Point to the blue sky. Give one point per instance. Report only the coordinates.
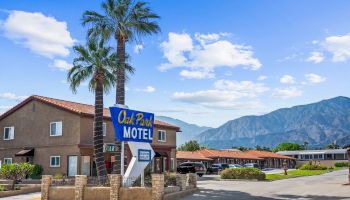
(211, 62)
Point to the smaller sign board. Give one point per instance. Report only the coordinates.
(109, 148)
(144, 155)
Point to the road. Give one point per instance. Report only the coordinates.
(330, 186)
(31, 196)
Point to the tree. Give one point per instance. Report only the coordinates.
(95, 63)
(333, 146)
(15, 172)
(288, 147)
(241, 148)
(124, 20)
(191, 145)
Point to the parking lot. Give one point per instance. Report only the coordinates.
(330, 186)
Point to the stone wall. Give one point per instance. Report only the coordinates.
(80, 191)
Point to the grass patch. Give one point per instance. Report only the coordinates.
(299, 173)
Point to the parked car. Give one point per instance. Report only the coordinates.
(251, 165)
(192, 167)
(235, 166)
(217, 168)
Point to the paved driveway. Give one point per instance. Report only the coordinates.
(31, 196)
(327, 186)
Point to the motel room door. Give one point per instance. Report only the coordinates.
(72, 165)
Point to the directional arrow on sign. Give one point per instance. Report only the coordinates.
(137, 165)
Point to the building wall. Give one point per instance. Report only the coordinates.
(32, 130)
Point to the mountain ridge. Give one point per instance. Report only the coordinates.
(317, 123)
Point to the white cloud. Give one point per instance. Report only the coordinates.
(149, 89)
(287, 79)
(286, 93)
(138, 48)
(205, 52)
(197, 74)
(224, 95)
(4, 108)
(339, 46)
(314, 78)
(43, 35)
(62, 65)
(262, 78)
(315, 57)
(12, 96)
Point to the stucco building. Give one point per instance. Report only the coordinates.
(210, 156)
(58, 135)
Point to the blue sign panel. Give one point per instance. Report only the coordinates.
(132, 125)
(144, 155)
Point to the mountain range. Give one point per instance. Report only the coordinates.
(188, 131)
(319, 124)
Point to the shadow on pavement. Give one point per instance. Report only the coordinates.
(313, 197)
(237, 195)
(223, 195)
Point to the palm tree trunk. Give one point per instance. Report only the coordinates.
(120, 96)
(98, 133)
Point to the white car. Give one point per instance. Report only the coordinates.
(235, 166)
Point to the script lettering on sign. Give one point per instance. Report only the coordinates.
(132, 125)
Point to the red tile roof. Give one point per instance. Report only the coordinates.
(78, 108)
(234, 154)
(191, 155)
(267, 154)
(228, 154)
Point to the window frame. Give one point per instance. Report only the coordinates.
(164, 135)
(8, 159)
(59, 161)
(56, 135)
(104, 129)
(9, 135)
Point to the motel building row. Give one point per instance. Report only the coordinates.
(58, 135)
(208, 157)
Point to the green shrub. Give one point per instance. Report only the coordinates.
(58, 176)
(36, 172)
(2, 188)
(15, 171)
(243, 173)
(341, 164)
(169, 179)
(313, 166)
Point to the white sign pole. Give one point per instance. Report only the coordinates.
(122, 159)
(143, 178)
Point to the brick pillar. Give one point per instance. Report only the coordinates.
(80, 183)
(116, 183)
(181, 181)
(192, 179)
(157, 186)
(45, 186)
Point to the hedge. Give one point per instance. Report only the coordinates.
(313, 166)
(243, 173)
(341, 164)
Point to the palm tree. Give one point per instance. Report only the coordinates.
(124, 20)
(95, 63)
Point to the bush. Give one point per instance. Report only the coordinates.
(15, 171)
(313, 166)
(58, 176)
(36, 172)
(341, 164)
(2, 188)
(169, 179)
(243, 173)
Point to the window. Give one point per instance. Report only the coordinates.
(55, 128)
(9, 133)
(104, 128)
(7, 160)
(55, 161)
(161, 136)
